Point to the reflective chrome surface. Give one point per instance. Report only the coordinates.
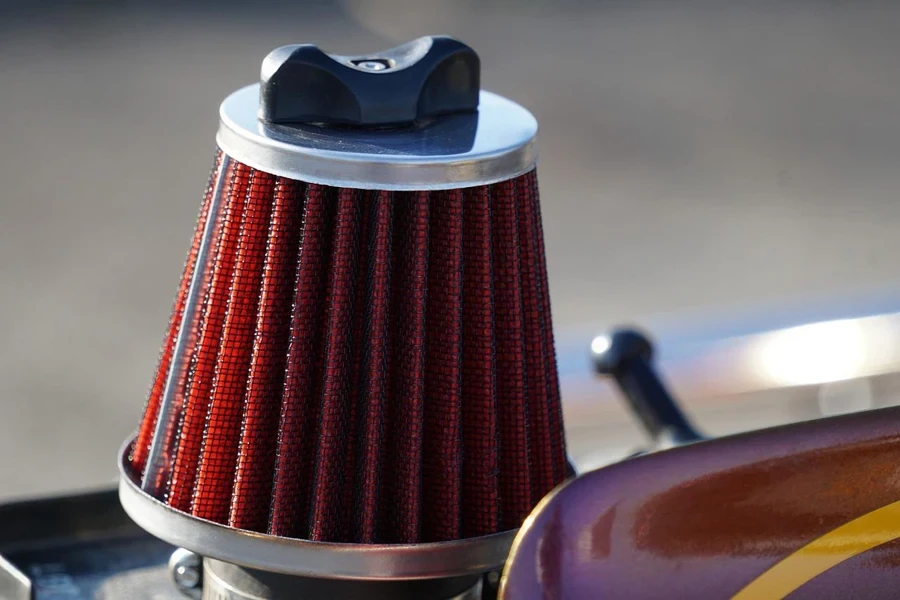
(302, 557)
(225, 581)
(186, 571)
(458, 151)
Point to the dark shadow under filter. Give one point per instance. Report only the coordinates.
(365, 366)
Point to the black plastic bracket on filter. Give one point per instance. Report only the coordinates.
(425, 78)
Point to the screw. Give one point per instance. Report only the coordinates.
(186, 577)
(373, 65)
(493, 579)
(186, 568)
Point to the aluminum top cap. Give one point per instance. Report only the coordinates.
(410, 118)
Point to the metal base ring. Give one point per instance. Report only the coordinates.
(434, 560)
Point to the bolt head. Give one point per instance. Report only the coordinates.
(186, 570)
(188, 577)
(612, 352)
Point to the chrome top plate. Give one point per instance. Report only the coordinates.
(495, 144)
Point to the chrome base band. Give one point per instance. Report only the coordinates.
(494, 144)
(224, 581)
(305, 558)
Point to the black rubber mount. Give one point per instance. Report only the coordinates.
(422, 79)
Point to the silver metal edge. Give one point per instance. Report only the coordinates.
(306, 558)
(191, 306)
(347, 169)
(14, 584)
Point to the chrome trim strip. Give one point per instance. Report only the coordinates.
(191, 306)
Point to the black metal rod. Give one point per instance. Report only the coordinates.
(627, 358)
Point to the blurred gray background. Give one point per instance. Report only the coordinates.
(697, 159)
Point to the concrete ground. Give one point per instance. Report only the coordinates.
(696, 158)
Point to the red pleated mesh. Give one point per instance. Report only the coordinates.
(296, 442)
(481, 436)
(328, 519)
(372, 367)
(442, 458)
(374, 375)
(221, 436)
(204, 355)
(256, 462)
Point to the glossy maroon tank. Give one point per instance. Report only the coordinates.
(805, 511)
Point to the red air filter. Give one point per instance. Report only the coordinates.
(361, 346)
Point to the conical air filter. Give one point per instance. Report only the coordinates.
(361, 346)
